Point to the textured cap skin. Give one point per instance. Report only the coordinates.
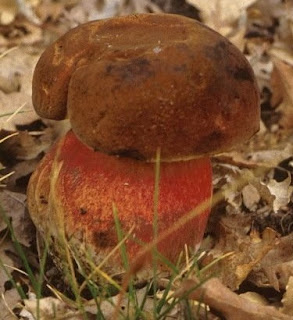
(132, 84)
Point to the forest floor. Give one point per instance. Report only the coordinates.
(248, 242)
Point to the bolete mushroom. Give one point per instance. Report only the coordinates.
(130, 85)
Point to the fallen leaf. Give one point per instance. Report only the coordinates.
(224, 15)
(20, 31)
(227, 303)
(250, 197)
(270, 158)
(287, 300)
(6, 263)
(282, 192)
(25, 146)
(17, 64)
(48, 309)
(276, 267)
(13, 205)
(246, 251)
(284, 73)
(8, 301)
(254, 297)
(8, 11)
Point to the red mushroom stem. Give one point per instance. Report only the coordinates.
(87, 183)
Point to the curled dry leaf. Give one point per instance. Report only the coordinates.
(226, 302)
(276, 267)
(247, 251)
(282, 192)
(235, 179)
(275, 194)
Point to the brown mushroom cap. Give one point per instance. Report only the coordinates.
(132, 84)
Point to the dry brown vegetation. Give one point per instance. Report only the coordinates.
(248, 243)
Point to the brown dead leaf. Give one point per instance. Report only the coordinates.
(222, 13)
(17, 67)
(21, 171)
(8, 85)
(25, 146)
(250, 197)
(283, 80)
(49, 10)
(270, 158)
(6, 263)
(229, 304)
(276, 267)
(276, 195)
(287, 300)
(20, 31)
(247, 251)
(15, 109)
(282, 192)
(52, 308)
(89, 10)
(226, 17)
(49, 309)
(8, 11)
(255, 297)
(14, 208)
(9, 300)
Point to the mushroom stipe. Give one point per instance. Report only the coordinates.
(79, 202)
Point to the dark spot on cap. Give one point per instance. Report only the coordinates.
(214, 139)
(241, 73)
(180, 67)
(132, 70)
(82, 211)
(109, 68)
(217, 51)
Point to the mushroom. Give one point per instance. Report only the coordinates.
(130, 86)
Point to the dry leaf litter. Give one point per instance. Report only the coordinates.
(248, 245)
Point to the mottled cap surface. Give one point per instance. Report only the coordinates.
(133, 84)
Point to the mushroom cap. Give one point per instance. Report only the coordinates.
(71, 196)
(132, 84)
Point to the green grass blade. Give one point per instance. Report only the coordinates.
(19, 249)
